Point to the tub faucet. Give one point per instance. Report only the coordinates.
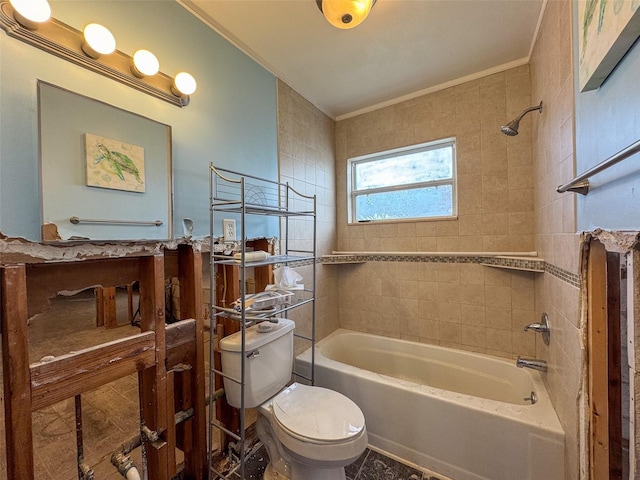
(540, 365)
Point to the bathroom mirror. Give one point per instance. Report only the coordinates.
(105, 173)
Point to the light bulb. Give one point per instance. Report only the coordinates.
(31, 13)
(184, 83)
(98, 40)
(346, 13)
(144, 64)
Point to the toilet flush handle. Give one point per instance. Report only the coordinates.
(253, 354)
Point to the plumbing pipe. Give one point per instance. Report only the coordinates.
(132, 474)
(216, 395)
(126, 467)
(183, 415)
(149, 434)
(84, 471)
(120, 456)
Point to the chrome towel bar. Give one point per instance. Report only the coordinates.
(580, 184)
(154, 223)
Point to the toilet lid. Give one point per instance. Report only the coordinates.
(317, 413)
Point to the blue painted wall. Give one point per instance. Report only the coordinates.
(608, 120)
(230, 121)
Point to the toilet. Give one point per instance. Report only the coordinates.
(311, 433)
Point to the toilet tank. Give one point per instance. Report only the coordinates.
(268, 362)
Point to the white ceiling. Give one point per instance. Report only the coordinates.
(405, 48)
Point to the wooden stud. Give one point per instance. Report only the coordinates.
(153, 381)
(98, 292)
(75, 373)
(15, 366)
(180, 338)
(614, 366)
(598, 368)
(192, 433)
(109, 307)
(130, 311)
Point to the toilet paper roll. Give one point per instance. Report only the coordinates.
(257, 256)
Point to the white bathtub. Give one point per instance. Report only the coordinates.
(457, 413)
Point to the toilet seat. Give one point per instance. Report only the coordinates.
(317, 415)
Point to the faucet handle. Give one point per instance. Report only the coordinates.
(538, 327)
(541, 327)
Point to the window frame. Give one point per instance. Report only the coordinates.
(352, 192)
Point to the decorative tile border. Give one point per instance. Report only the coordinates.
(530, 264)
(522, 263)
(564, 275)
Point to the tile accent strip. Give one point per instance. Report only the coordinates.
(564, 275)
(531, 264)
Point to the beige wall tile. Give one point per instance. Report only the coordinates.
(498, 317)
(472, 294)
(471, 244)
(472, 315)
(449, 312)
(450, 333)
(473, 336)
(472, 273)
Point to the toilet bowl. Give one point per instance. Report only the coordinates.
(311, 433)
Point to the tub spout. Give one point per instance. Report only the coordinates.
(536, 364)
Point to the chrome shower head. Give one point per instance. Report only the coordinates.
(511, 128)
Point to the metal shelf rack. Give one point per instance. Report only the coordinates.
(246, 195)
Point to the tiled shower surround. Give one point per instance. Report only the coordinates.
(506, 203)
(466, 306)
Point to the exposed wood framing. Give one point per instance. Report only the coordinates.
(26, 289)
(190, 385)
(598, 369)
(15, 363)
(603, 284)
(614, 360)
(633, 311)
(75, 373)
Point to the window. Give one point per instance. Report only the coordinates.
(408, 183)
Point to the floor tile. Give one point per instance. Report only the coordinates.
(380, 467)
(353, 469)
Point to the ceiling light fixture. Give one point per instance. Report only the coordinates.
(144, 64)
(93, 49)
(345, 14)
(31, 13)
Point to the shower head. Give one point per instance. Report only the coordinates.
(511, 128)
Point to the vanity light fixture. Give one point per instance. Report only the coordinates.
(183, 86)
(345, 14)
(30, 21)
(98, 40)
(144, 64)
(31, 13)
